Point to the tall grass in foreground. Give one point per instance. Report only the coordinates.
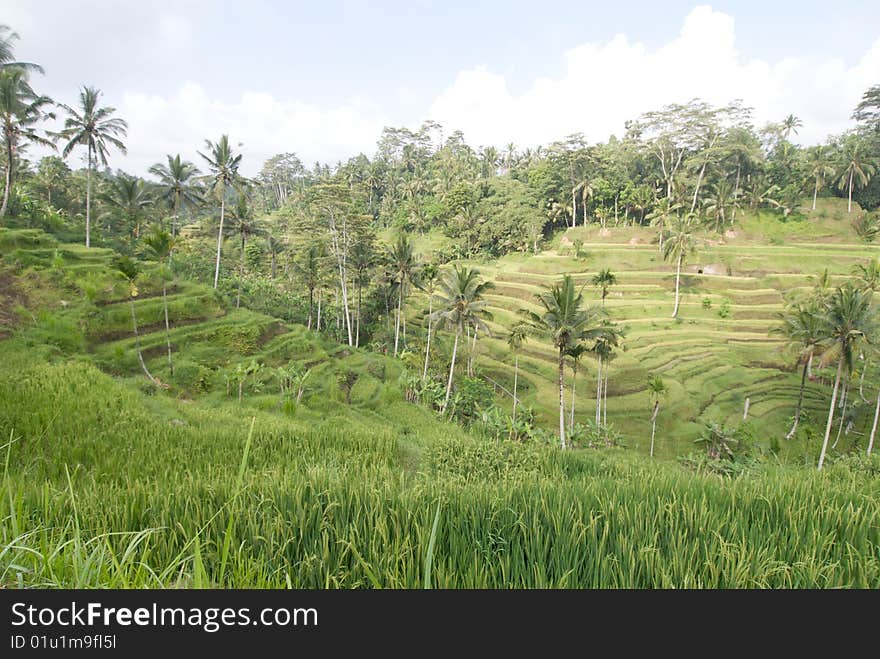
(105, 487)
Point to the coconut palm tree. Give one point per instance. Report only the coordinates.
(818, 168)
(517, 336)
(128, 195)
(605, 279)
(7, 56)
(129, 269)
(858, 167)
(790, 125)
(20, 111)
(276, 246)
(403, 265)
(310, 268)
(656, 390)
(461, 304)
(363, 258)
(428, 279)
(95, 128)
(245, 226)
(717, 204)
(177, 185)
(803, 325)
(680, 243)
(565, 321)
(849, 320)
(223, 164)
(160, 244)
(660, 216)
(575, 352)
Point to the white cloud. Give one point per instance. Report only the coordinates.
(605, 84)
(262, 124)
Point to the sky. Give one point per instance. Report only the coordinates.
(322, 79)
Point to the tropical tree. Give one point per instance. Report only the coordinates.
(818, 168)
(661, 214)
(160, 245)
(604, 280)
(311, 268)
(223, 164)
(858, 167)
(850, 319)
(461, 304)
(7, 56)
(128, 195)
(680, 243)
(275, 245)
(363, 259)
(803, 326)
(245, 226)
(20, 111)
(575, 352)
(96, 129)
(403, 265)
(177, 185)
(656, 390)
(717, 204)
(790, 125)
(565, 321)
(517, 336)
(129, 269)
(428, 280)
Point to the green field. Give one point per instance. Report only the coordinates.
(111, 482)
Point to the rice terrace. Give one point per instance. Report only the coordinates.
(643, 361)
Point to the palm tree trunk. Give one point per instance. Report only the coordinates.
(357, 321)
(599, 392)
(862, 382)
(451, 370)
(167, 326)
(311, 305)
(562, 398)
(219, 239)
(797, 411)
(516, 376)
(137, 343)
(320, 298)
(654, 425)
(736, 192)
(849, 205)
(815, 192)
(89, 199)
(428, 344)
(677, 280)
(273, 265)
(697, 189)
(472, 357)
(605, 397)
(830, 414)
(874, 427)
(8, 187)
(397, 324)
(843, 397)
(574, 373)
(240, 274)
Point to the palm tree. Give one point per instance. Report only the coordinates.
(660, 215)
(868, 274)
(224, 165)
(575, 352)
(310, 269)
(656, 390)
(429, 278)
(95, 128)
(680, 242)
(858, 167)
(128, 195)
(177, 185)
(20, 110)
(128, 267)
(7, 58)
(245, 226)
(790, 125)
(818, 167)
(404, 267)
(804, 328)
(564, 320)
(515, 340)
(276, 246)
(462, 304)
(849, 319)
(607, 338)
(160, 244)
(717, 203)
(363, 259)
(605, 279)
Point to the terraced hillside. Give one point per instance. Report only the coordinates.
(717, 354)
